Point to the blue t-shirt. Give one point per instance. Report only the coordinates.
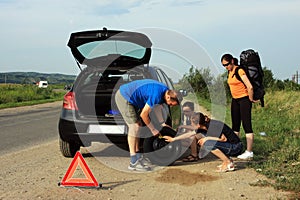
(140, 92)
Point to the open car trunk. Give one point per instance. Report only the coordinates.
(95, 93)
(97, 99)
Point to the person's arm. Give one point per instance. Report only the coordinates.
(203, 140)
(190, 127)
(249, 86)
(180, 137)
(146, 119)
(223, 138)
(164, 124)
(158, 111)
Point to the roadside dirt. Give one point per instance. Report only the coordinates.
(34, 173)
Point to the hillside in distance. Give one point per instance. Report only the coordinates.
(33, 77)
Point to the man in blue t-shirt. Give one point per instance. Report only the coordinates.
(135, 100)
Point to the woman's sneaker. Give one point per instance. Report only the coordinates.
(247, 155)
(138, 166)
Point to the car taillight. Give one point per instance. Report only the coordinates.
(69, 102)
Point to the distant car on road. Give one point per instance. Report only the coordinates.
(42, 84)
(89, 113)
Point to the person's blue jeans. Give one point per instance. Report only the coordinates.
(226, 147)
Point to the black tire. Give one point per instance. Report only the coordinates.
(160, 152)
(68, 149)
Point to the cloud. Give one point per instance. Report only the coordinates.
(107, 8)
(187, 3)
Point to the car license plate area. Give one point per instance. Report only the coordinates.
(106, 129)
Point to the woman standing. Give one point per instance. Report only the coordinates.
(241, 104)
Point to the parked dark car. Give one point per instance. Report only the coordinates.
(107, 59)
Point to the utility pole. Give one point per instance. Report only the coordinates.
(295, 77)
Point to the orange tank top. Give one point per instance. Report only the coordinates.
(237, 88)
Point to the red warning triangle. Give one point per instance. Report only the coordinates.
(89, 181)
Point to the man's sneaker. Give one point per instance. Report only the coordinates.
(138, 166)
(247, 155)
(145, 161)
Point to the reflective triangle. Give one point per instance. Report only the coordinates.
(88, 181)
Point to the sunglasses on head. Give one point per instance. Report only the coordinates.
(225, 65)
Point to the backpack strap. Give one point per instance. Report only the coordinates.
(236, 74)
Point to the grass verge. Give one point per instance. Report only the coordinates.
(15, 95)
(277, 139)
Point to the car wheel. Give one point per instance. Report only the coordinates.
(160, 152)
(68, 149)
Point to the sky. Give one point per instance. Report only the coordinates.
(34, 33)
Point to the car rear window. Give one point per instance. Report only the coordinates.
(107, 47)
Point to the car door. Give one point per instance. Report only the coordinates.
(174, 111)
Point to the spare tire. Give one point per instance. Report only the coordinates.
(161, 152)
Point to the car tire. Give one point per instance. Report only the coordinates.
(161, 152)
(68, 149)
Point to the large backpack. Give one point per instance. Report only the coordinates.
(250, 62)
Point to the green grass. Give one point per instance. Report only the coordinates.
(280, 120)
(13, 95)
(277, 155)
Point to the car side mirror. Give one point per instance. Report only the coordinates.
(183, 92)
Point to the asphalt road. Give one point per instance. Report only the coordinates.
(23, 128)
